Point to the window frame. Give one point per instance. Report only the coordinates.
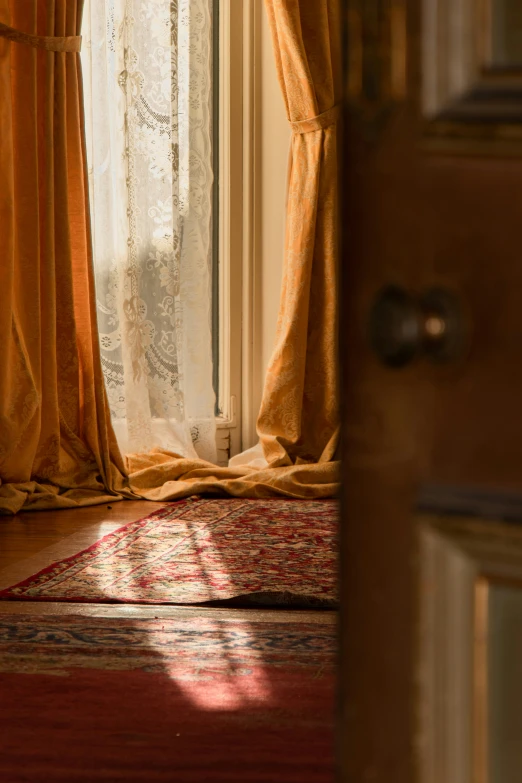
(230, 231)
(239, 253)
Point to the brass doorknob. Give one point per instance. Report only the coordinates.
(404, 327)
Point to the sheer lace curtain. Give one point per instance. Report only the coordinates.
(148, 82)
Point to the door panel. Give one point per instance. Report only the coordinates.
(473, 212)
(418, 213)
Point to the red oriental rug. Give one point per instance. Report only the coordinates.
(217, 697)
(199, 551)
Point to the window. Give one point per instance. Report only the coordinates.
(149, 99)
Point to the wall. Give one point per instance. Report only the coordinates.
(275, 142)
(271, 146)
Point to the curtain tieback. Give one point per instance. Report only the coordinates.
(324, 120)
(71, 43)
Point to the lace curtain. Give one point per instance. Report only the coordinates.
(148, 87)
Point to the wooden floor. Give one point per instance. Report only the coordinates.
(32, 541)
(28, 533)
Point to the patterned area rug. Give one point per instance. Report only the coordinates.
(199, 551)
(195, 699)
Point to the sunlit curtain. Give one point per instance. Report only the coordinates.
(57, 449)
(148, 94)
(298, 420)
(150, 189)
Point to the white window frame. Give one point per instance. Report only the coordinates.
(238, 295)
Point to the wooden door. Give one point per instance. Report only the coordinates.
(432, 461)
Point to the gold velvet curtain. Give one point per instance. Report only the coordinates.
(298, 420)
(56, 443)
(57, 448)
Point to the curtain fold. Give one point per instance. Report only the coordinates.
(298, 420)
(57, 448)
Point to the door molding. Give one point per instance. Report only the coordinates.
(461, 560)
(470, 103)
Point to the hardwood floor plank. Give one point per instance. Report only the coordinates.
(37, 532)
(137, 611)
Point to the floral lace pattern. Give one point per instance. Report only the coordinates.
(148, 84)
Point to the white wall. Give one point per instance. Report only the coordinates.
(272, 146)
